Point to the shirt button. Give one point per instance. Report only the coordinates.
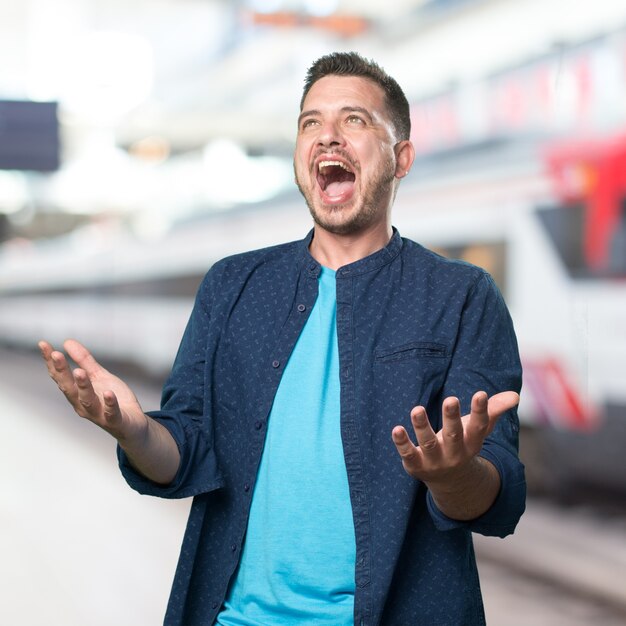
(275, 364)
(214, 605)
(301, 308)
(258, 424)
(246, 487)
(233, 547)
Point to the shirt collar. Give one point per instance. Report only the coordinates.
(367, 264)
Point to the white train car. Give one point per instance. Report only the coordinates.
(503, 209)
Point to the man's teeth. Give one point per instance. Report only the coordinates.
(324, 164)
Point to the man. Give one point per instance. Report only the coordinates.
(301, 368)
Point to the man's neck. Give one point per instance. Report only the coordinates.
(335, 251)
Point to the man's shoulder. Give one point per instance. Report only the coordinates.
(265, 268)
(432, 261)
(280, 252)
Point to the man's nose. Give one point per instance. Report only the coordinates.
(330, 134)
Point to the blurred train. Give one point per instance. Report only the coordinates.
(522, 172)
(548, 223)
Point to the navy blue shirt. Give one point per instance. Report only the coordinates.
(413, 328)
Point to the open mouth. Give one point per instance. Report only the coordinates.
(336, 179)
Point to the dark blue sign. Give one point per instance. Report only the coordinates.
(29, 136)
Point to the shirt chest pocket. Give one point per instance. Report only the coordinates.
(411, 373)
(411, 351)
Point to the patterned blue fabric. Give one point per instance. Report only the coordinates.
(297, 564)
(412, 329)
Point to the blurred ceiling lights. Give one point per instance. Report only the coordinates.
(161, 99)
(105, 75)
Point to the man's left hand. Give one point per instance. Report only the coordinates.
(447, 461)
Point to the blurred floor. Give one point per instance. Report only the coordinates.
(80, 548)
(512, 599)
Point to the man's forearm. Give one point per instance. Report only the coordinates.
(469, 494)
(156, 455)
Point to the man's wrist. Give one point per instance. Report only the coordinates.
(467, 493)
(137, 438)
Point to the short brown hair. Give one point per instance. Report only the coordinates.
(353, 64)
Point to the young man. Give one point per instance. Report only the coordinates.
(299, 374)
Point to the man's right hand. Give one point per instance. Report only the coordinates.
(106, 400)
(95, 393)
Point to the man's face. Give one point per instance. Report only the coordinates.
(344, 160)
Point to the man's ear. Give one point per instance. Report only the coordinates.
(405, 155)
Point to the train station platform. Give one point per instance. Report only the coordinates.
(80, 548)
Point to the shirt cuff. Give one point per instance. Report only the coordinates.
(198, 472)
(502, 516)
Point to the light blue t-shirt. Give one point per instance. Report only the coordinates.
(297, 564)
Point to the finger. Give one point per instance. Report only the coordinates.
(45, 347)
(60, 371)
(426, 436)
(479, 424)
(53, 358)
(46, 350)
(111, 411)
(408, 452)
(87, 398)
(452, 429)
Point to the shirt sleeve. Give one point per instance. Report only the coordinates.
(486, 358)
(185, 411)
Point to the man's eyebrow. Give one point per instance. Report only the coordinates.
(307, 114)
(347, 109)
(357, 109)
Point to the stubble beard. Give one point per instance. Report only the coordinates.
(378, 192)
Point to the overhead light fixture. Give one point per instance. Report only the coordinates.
(107, 74)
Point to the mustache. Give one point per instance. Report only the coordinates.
(334, 152)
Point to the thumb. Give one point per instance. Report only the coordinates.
(501, 402)
(82, 357)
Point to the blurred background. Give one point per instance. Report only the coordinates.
(141, 141)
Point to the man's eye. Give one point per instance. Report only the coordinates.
(355, 119)
(309, 123)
